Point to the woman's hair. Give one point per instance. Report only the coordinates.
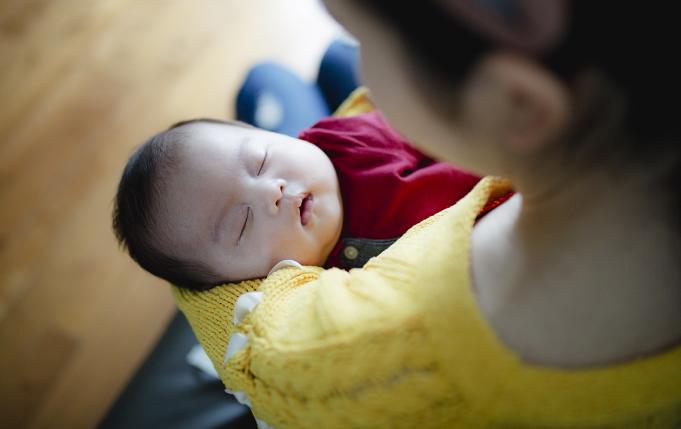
(623, 52)
(136, 214)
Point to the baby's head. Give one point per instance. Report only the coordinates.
(206, 202)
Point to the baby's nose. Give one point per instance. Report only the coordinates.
(275, 192)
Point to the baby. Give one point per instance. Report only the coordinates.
(206, 201)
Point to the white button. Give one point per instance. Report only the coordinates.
(245, 304)
(351, 252)
(237, 342)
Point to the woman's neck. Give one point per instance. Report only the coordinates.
(584, 275)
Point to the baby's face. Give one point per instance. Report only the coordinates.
(240, 200)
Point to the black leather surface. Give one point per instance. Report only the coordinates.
(166, 392)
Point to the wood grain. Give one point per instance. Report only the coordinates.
(82, 83)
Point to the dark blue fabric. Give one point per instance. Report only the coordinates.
(366, 248)
(338, 73)
(299, 104)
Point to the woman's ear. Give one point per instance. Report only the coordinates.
(516, 103)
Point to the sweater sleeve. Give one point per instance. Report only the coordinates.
(334, 349)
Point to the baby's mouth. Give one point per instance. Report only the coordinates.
(305, 209)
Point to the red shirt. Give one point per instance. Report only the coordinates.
(386, 185)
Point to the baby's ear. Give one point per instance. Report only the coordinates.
(516, 103)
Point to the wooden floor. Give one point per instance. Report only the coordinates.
(82, 83)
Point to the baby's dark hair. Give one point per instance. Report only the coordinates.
(136, 216)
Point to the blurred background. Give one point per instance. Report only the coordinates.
(82, 83)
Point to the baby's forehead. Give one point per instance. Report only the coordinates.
(207, 129)
(209, 162)
(208, 142)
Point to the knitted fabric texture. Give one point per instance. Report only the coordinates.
(401, 343)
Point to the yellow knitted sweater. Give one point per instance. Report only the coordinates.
(402, 344)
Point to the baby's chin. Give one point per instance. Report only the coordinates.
(324, 251)
(314, 258)
(317, 260)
